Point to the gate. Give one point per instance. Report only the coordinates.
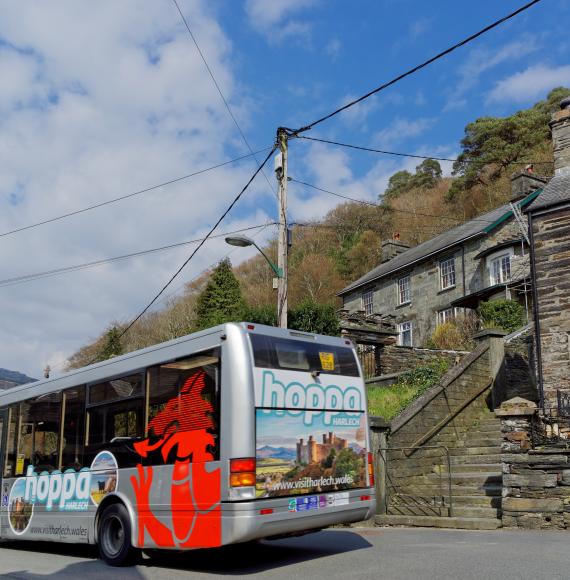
(418, 480)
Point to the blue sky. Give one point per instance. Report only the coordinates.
(98, 100)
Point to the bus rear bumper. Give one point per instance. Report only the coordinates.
(246, 521)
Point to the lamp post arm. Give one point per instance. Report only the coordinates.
(278, 271)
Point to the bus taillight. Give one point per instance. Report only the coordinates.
(370, 469)
(242, 472)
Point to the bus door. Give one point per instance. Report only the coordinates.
(3, 486)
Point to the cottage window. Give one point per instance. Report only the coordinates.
(447, 273)
(404, 290)
(445, 315)
(367, 302)
(501, 269)
(405, 334)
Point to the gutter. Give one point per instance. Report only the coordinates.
(536, 314)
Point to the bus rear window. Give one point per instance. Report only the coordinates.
(299, 355)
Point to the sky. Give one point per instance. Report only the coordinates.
(103, 99)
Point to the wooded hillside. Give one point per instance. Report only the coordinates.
(328, 254)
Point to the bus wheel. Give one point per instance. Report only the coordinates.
(115, 547)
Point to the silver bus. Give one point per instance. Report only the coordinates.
(232, 434)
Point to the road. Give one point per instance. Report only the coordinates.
(395, 554)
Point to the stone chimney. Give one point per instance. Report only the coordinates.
(391, 248)
(560, 126)
(525, 182)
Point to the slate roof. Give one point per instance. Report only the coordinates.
(479, 226)
(557, 191)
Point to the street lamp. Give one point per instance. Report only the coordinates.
(244, 242)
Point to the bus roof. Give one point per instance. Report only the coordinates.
(152, 355)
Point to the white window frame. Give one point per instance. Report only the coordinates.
(404, 286)
(403, 328)
(447, 273)
(445, 315)
(367, 298)
(498, 272)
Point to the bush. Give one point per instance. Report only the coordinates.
(505, 314)
(455, 334)
(388, 402)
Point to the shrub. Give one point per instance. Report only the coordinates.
(505, 314)
(455, 334)
(388, 402)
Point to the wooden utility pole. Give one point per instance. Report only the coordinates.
(282, 246)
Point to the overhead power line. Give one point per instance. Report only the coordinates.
(216, 84)
(94, 263)
(389, 209)
(418, 67)
(195, 251)
(129, 195)
(371, 150)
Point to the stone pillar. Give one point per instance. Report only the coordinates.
(495, 338)
(378, 442)
(533, 487)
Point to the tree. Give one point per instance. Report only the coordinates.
(221, 300)
(112, 346)
(398, 183)
(492, 144)
(312, 317)
(428, 173)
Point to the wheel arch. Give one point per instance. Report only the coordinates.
(118, 498)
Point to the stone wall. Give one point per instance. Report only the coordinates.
(445, 411)
(517, 377)
(397, 359)
(551, 233)
(536, 479)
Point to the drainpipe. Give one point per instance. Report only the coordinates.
(463, 266)
(536, 313)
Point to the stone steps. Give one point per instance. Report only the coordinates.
(485, 450)
(476, 501)
(473, 468)
(475, 512)
(459, 523)
(487, 458)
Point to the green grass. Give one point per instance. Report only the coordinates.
(389, 402)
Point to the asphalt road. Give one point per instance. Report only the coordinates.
(419, 554)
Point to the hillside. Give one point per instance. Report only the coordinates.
(9, 379)
(346, 243)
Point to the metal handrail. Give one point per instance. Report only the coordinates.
(448, 457)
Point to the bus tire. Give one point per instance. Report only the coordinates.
(114, 536)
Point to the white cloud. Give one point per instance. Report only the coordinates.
(333, 48)
(419, 27)
(402, 129)
(96, 102)
(481, 60)
(276, 19)
(530, 84)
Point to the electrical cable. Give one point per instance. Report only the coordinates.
(387, 209)
(417, 67)
(147, 189)
(371, 150)
(101, 262)
(224, 100)
(224, 214)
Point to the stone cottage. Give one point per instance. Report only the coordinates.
(549, 227)
(421, 287)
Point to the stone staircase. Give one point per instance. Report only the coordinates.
(476, 481)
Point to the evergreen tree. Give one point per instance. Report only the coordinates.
(221, 300)
(428, 172)
(112, 346)
(398, 183)
(312, 317)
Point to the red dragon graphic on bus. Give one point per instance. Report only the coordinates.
(179, 432)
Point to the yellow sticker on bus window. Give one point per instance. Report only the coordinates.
(327, 361)
(20, 464)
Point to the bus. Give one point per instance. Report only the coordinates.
(232, 434)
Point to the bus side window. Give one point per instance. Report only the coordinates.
(116, 409)
(40, 421)
(184, 396)
(10, 464)
(73, 444)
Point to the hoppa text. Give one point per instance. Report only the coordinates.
(69, 491)
(311, 399)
